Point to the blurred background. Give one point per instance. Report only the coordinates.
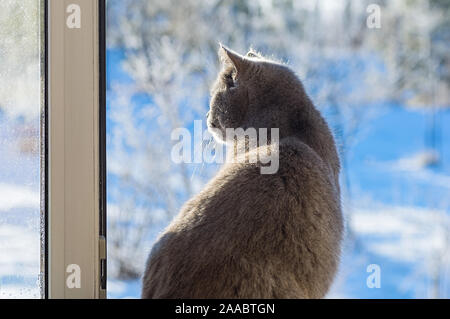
(384, 91)
(383, 88)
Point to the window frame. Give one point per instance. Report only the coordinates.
(73, 151)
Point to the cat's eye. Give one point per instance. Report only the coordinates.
(230, 79)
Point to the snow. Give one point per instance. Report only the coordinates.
(407, 234)
(19, 262)
(416, 162)
(17, 196)
(19, 214)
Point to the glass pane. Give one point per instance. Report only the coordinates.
(380, 78)
(20, 107)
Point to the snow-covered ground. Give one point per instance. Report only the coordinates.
(410, 244)
(19, 215)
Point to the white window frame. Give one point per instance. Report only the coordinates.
(75, 198)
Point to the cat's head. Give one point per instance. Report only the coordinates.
(250, 91)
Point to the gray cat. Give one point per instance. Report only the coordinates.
(253, 235)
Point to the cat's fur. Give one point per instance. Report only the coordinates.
(249, 235)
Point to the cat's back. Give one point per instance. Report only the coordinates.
(253, 235)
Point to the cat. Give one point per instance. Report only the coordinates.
(253, 235)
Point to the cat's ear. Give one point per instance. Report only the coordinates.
(238, 61)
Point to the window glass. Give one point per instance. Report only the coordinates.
(20, 107)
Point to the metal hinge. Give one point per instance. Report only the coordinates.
(102, 261)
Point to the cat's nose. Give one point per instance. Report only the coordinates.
(207, 114)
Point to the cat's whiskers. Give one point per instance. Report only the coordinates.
(205, 145)
(214, 146)
(208, 143)
(193, 173)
